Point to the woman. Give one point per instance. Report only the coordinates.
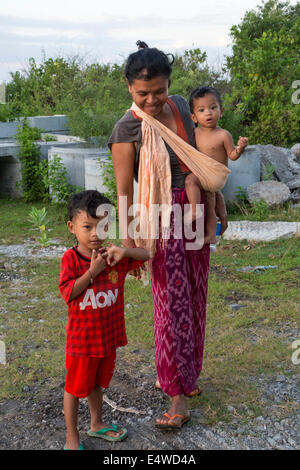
(179, 277)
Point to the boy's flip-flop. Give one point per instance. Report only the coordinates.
(167, 426)
(79, 448)
(101, 433)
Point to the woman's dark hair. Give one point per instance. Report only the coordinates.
(202, 91)
(87, 201)
(147, 63)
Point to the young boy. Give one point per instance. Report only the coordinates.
(206, 110)
(92, 283)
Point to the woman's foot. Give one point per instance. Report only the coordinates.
(177, 414)
(197, 390)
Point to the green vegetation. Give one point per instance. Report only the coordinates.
(255, 82)
(253, 340)
(263, 66)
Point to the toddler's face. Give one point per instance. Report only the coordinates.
(207, 111)
(84, 227)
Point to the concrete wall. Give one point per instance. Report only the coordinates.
(244, 171)
(57, 123)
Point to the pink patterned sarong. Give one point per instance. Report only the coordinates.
(179, 287)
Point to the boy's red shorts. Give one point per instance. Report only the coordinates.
(83, 373)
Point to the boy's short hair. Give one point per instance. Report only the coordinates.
(202, 91)
(87, 201)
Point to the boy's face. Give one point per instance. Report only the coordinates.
(84, 227)
(207, 111)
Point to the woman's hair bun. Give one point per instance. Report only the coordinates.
(141, 45)
(171, 58)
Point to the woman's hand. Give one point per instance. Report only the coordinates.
(221, 211)
(114, 254)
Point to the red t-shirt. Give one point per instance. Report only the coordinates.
(96, 324)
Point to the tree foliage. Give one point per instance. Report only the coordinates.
(263, 67)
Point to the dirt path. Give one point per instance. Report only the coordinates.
(37, 422)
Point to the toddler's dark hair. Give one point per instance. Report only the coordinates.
(147, 63)
(202, 91)
(87, 201)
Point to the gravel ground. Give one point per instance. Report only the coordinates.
(37, 421)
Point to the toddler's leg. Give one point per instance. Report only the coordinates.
(211, 218)
(71, 413)
(193, 192)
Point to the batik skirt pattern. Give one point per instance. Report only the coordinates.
(179, 285)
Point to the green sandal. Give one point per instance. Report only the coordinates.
(101, 433)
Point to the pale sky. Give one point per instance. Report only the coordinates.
(107, 31)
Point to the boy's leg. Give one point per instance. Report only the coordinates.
(71, 414)
(95, 400)
(211, 218)
(193, 192)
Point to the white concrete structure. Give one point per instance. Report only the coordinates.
(244, 171)
(261, 231)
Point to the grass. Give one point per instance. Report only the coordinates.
(240, 345)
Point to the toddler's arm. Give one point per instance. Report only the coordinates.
(234, 152)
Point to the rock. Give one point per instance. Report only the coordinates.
(272, 192)
(236, 306)
(285, 162)
(296, 151)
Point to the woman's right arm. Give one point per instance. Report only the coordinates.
(123, 156)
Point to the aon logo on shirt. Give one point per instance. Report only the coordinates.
(101, 299)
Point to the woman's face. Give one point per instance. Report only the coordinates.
(150, 95)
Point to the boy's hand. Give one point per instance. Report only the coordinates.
(242, 144)
(98, 263)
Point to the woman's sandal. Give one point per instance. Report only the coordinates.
(167, 426)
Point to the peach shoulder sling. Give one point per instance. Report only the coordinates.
(154, 186)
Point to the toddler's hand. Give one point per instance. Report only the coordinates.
(98, 263)
(242, 143)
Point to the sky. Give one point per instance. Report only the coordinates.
(106, 31)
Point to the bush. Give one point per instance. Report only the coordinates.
(263, 67)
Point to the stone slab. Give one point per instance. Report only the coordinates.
(261, 231)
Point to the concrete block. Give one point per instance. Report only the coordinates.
(73, 160)
(261, 231)
(10, 174)
(244, 172)
(57, 123)
(9, 129)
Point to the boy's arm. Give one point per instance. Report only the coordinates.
(97, 265)
(115, 253)
(234, 152)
